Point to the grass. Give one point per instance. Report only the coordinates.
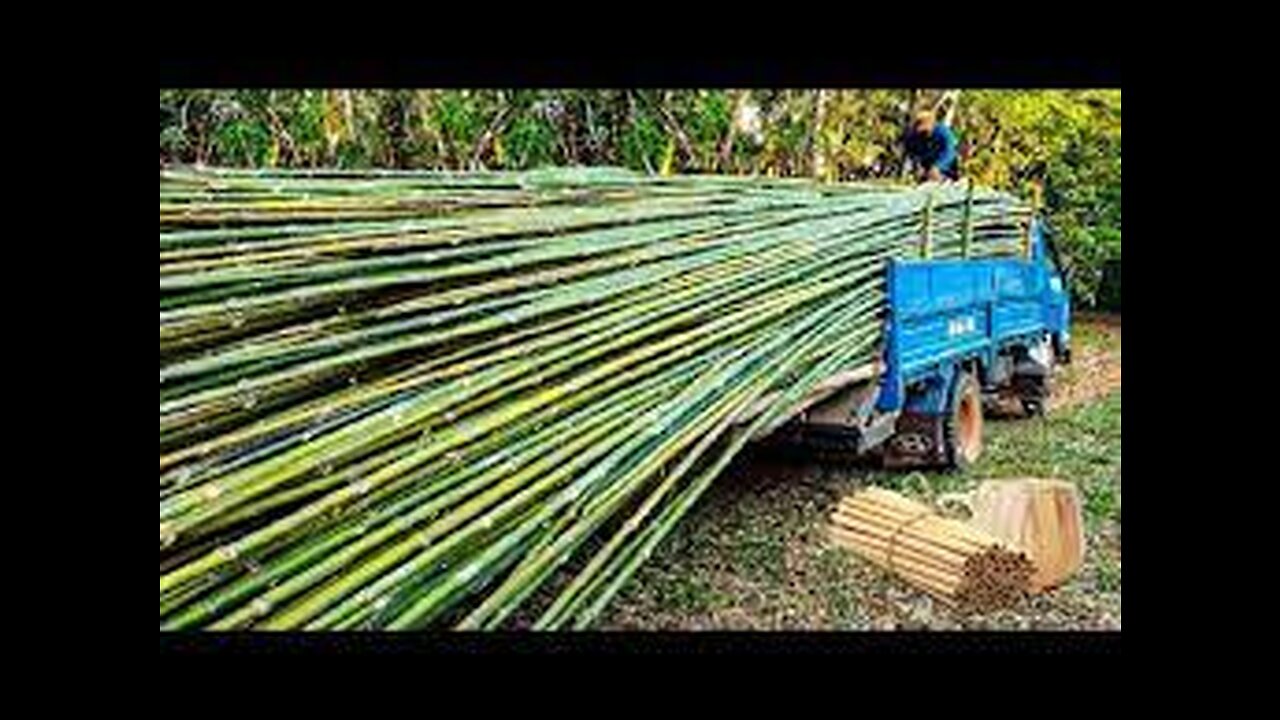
(753, 554)
(1094, 334)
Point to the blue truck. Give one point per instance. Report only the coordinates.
(961, 337)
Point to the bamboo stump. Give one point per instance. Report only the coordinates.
(1042, 517)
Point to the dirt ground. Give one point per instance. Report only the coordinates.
(754, 553)
(1095, 369)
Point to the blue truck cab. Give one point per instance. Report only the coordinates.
(961, 337)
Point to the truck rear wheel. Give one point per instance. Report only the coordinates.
(963, 428)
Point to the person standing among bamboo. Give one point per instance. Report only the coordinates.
(932, 148)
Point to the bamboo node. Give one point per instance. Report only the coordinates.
(261, 607)
(469, 572)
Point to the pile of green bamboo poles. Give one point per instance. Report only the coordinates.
(417, 399)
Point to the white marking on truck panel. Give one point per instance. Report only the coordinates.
(961, 326)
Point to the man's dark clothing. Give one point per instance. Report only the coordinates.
(936, 149)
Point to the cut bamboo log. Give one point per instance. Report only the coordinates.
(1042, 517)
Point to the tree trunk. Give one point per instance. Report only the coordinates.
(912, 99)
(495, 126)
(726, 147)
(570, 129)
(392, 114)
(673, 127)
(817, 158)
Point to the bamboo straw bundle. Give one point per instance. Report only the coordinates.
(958, 564)
(408, 399)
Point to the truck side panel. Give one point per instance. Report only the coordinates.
(944, 313)
(1016, 317)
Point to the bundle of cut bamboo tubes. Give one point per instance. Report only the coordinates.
(956, 563)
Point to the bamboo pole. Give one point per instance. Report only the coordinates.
(926, 248)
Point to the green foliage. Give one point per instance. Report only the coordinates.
(861, 132)
(1070, 140)
(459, 123)
(243, 140)
(1067, 139)
(531, 140)
(1108, 574)
(643, 143)
(1109, 293)
(705, 115)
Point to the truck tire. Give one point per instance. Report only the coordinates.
(962, 428)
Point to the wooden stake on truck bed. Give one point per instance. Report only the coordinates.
(926, 250)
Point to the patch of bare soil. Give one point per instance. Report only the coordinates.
(1095, 370)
